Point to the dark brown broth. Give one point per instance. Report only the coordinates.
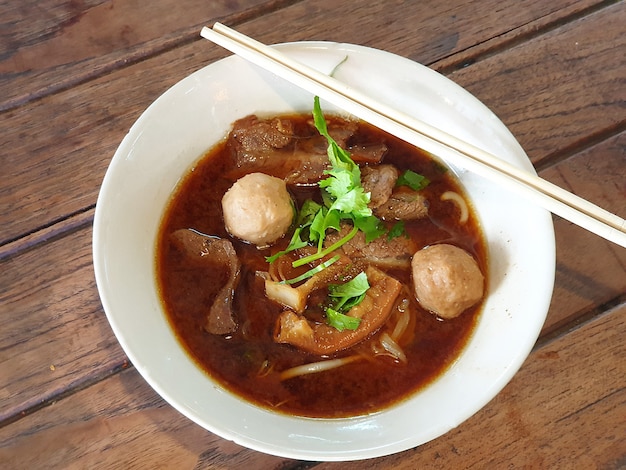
(236, 361)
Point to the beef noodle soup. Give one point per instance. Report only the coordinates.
(316, 282)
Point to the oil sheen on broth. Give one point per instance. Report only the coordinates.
(414, 344)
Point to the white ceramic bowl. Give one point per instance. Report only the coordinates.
(196, 113)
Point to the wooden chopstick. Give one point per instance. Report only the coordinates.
(439, 143)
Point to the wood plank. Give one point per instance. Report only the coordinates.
(513, 37)
(561, 89)
(111, 34)
(545, 418)
(590, 273)
(563, 410)
(53, 332)
(111, 425)
(52, 44)
(46, 184)
(426, 32)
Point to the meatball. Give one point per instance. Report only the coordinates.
(258, 209)
(447, 280)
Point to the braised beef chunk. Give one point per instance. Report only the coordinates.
(259, 135)
(273, 146)
(379, 181)
(304, 169)
(381, 252)
(403, 204)
(368, 154)
(211, 251)
(270, 146)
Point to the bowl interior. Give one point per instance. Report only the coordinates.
(190, 118)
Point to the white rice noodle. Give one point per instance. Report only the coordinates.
(401, 325)
(315, 367)
(265, 369)
(459, 201)
(389, 347)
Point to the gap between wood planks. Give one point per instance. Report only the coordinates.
(509, 39)
(53, 230)
(33, 407)
(576, 321)
(579, 146)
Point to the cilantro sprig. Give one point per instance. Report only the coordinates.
(343, 198)
(342, 192)
(343, 298)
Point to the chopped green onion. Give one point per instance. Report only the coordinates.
(325, 251)
(413, 180)
(313, 271)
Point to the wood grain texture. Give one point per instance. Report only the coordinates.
(53, 332)
(425, 31)
(547, 417)
(558, 89)
(75, 75)
(47, 46)
(71, 172)
(111, 425)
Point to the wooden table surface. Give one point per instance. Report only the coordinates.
(74, 75)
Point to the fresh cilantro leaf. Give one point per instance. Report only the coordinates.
(340, 182)
(318, 117)
(341, 321)
(317, 230)
(413, 180)
(339, 158)
(371, 226)
(307, 212)
(343, 197)
(397, 230)
(344, 297)
(353, 202)
(356, 287)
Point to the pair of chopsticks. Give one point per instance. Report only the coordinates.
(543, 193)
